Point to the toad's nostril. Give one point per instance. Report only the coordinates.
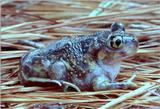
(135, 41)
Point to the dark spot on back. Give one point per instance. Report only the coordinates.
(111, 44)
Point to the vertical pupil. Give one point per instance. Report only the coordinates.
(118, 42)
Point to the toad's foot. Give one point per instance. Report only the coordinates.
(129, 83)
(48, 82)
(98, 84)
(40, 81)
(68, 85)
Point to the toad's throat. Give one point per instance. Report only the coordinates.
(111, 70)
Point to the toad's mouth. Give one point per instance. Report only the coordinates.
(117, 58)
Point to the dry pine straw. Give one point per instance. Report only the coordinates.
(46, 21)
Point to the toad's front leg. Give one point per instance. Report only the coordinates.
(102, 83)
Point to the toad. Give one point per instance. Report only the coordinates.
(84, 62)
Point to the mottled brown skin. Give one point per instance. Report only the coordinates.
(83, 62)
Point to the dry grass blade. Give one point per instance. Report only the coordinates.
(45, 21)
(127, 96)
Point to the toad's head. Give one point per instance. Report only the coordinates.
(119, 44)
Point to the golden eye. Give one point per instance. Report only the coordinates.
(115, 42)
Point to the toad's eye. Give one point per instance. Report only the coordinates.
(115, 42)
